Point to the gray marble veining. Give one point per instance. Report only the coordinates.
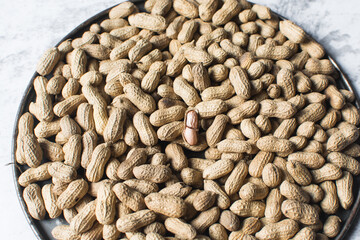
(27, 28)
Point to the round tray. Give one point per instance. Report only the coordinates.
(42, 229)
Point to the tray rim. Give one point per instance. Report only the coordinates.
(348, 224)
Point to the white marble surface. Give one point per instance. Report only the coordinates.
(27, 28)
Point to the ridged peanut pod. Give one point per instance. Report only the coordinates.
(146, 61)
(131, 136)
(257, 165)
(207, 9)
(236, 178)
(89, 141)
(330, 203)
(342, 138)
(122, 10)
(148, 21)
(114, 127)
(155, 227)
(234, 145)
(123, 102)
(85, 219)
(176, 64)
(240, 81)
(336, 99)
(170, 131)
(313, 113)
(245, 208)
(121, 51)
(204, 200)
(316, 66)
(141, 100)
(332, 226)
(151, 79)
(42, 108)
(273, 206)
(130, 197)
(25, 126)
(167, 205)
(186, 92)
(301, 212)
(64, 232)
(187, 31)
(293, 191)
(163, 116)
(134, 158)
(250, 226)
(84, 116)
(48, 61)
(278, 109)
(229, 220)
(134, 221)
(143, 186)
(68, 105)
(293, 32)
(285, 80)
(72, 151)
(94, 233)
(305, 233)
(125, 33)
(345, 162)
(62, 172)
(224, 92)
(327, 172)
(78, 63)
(153, 173)
(308, 159)
(230, 9)
(344, 188)
(175, 154)
(161, 7)
(223, 200)
(197, 55)
(273, 144)
(244, 110)
(206, 219)
(180, 228)
(31, 150)
(217, 232)
(299, 172)
(146, 132)
(215, 132)
(218, 169)
(73, 193)
(174, 27)
(273, 52)
(93, 95)
(186, 8)
(284, 229)
(34, 201)
(141, 48)
(250, 130)
(271, 175)
(33, 175)
(110, 232)
(105, 204)
(99, 158)
(254, 189)
(200, 77)
(212, 108)
(350, 114)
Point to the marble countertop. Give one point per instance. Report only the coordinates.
(28, 28)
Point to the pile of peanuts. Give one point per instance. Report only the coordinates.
(198, 119)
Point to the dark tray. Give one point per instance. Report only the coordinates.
(42, 229)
